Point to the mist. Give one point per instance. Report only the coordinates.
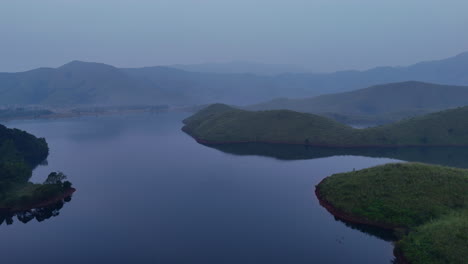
(320, 36)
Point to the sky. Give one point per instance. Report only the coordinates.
(321, 35)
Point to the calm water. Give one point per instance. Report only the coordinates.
(148, 193)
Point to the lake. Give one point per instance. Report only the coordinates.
(148, 193)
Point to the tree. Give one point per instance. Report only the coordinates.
(55, 178)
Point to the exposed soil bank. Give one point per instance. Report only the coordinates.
(401, 259)
(40, 204)
(350, 218)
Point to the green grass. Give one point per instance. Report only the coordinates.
(444, 240)
(221, 123)
(403, 194)
(431, 201)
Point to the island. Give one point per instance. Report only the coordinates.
(20, 153)
(223, 124)
(425, 205)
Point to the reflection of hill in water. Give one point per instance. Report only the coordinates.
(40, 214)
(447, 156)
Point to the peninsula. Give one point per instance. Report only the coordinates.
(426, 205)
(20, 152)
(221, 124)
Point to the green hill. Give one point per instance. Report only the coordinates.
(377, 104)
(430, 201)
(224, 124)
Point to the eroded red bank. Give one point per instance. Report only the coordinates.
(401, 259)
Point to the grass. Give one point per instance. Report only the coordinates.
(403, 194)
(223, 124)
(431, 201)
(444, 240)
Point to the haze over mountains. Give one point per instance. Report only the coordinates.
(241, 67)
(379, 103)
(82, 83)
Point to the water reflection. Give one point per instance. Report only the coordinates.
(446, 156)
(40, 213)
(384, 234)
(27, 200)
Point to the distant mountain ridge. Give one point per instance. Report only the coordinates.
(83, 83)
(390, 102)
(241, 67)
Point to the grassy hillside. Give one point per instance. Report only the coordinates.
(381, 103)
(431, 201)
(443, 240)
(408, 194)
(223, 124)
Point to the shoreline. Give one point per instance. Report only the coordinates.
(75, 115)
(350, 218)
(397, 252)
(210, 142)
(43, 203)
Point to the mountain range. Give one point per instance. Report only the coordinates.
(241, 67)
(84, 83)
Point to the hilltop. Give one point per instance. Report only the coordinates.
(218, 124)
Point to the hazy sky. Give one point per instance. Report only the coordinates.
(323, 35)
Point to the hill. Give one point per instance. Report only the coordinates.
(75, 83)
(218, 124)
(84, 83)
(429, 201)
(377, 104)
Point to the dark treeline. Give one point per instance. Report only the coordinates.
(20, 152)
(40, 214)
